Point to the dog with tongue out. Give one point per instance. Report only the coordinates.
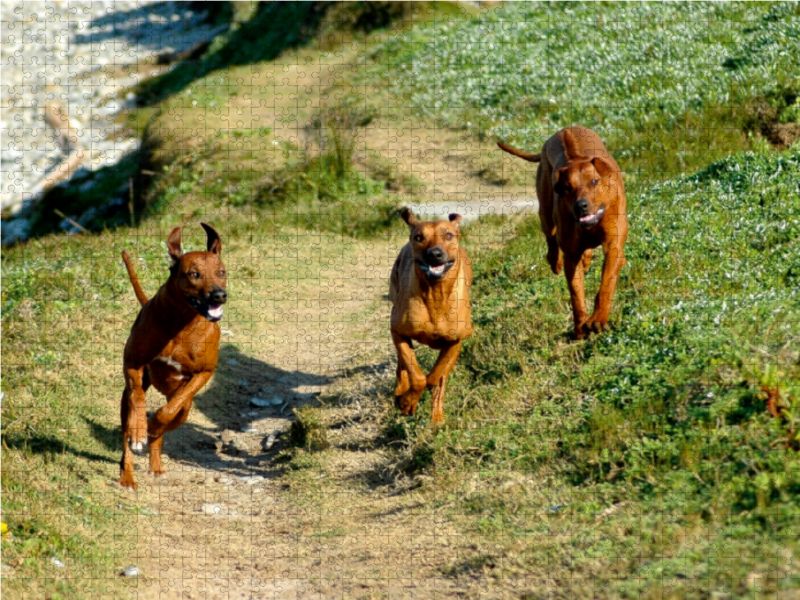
(173, 346)
(429, 290)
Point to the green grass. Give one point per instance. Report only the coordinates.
(59, 444)
(640, 463)
(643, 462)
(669, 87)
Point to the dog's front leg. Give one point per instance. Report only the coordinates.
(612, 264)
(410, 379)
(438, 379)
(133, 416)
(573, 269)
(171, 416)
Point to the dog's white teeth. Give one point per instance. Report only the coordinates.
(215, 313)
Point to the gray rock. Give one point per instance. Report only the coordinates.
(15, 231)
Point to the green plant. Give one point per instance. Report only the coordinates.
(308, 430)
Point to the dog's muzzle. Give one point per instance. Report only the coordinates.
(435, 271)
(211, 306)
(581, 213)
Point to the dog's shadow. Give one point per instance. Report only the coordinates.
(229, 436)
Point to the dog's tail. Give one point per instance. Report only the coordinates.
(529, 156)
(137, 288)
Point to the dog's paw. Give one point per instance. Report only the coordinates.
(402, 384)
(126, 481)
(594, 326)
(554, 258)
(407, 403)
(138, 446)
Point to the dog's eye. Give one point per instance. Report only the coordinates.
(194, 275)
(594, 181)
(418, 237)
(221, 274)
(449, 236)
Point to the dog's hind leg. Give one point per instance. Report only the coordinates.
(411, 381)
(544, 190)
(126, 462)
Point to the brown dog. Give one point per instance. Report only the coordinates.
(429, 288)
(173, 345)
(581, 206)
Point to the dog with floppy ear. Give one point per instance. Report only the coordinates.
(429, 290)
(581, 206)
(173, 346)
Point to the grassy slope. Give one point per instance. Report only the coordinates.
(561, 455)
(670, 87)
(642, 462)
(629, 462)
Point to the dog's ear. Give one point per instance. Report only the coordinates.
(408, 217)
(569, 143)
(174, 246)
(602, 167)
(455, 218)
(214, 241)
(559, 178)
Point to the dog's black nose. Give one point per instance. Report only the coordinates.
(218, 297)
(435, 255)
(582, 207)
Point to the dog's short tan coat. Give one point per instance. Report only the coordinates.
(429, 289)
(173, 346)
(582, 205)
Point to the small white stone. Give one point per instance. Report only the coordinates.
(57, 563)
(251, 479)
(131, 572)
(211, 509)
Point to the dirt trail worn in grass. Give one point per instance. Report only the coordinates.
(224, 524)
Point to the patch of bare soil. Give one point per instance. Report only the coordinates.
(781, 135)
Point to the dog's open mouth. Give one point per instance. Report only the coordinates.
(212, 312)
(593, 219)
(435, 271)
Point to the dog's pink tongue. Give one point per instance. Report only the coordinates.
(215, 312)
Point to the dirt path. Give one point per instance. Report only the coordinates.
(228, 521)
(224, 524)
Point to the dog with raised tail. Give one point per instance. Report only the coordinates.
(581, 206)
(173, 346)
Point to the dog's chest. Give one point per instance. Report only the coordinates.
(429, 325)
(193, 351)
